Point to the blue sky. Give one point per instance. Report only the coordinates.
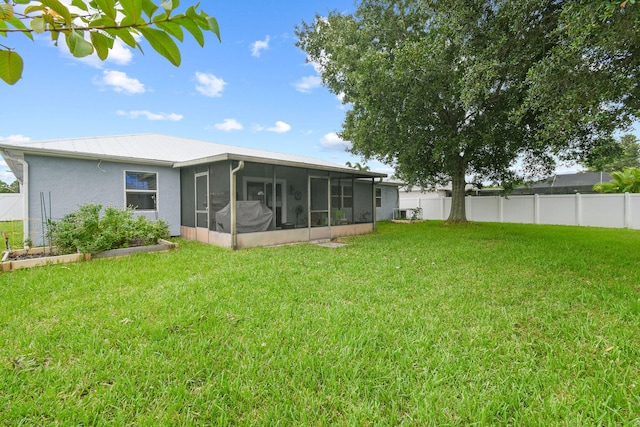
(254, 89)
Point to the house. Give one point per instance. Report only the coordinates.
(416, 192)
(581, 182)
(219, 194)
(572, 183)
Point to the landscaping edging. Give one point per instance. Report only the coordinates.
(37, 262)
(162, 246)
(9, 265)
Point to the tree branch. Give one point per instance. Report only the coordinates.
(63, 28)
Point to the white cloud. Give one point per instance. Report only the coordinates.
(14, 138)
(209, 85)
(258, 46)
(134, 114)
(120, 54)
(7, 176)
(332, 142)
(316, 65)
(121, 83)
(228, 125)
(280, 127)
(307, 84)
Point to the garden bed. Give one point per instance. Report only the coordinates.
(37, 257)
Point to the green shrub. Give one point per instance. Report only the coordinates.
(85, 230)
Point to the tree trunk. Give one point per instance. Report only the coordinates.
(458, 210)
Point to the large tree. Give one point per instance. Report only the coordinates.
(14, 187)
(615, 155)
(451, 91)
(93, 26)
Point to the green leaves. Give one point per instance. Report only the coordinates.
(55, 8)
(10, 66)
(102, 42)
(78, 46)
(132, 9)
(162, 43)
(627, 181)
(6, 12)
(103, 21)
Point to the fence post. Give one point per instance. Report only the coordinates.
(578, 206)
(442, 207)
(627, 210)
(500, 209)
(536, 209)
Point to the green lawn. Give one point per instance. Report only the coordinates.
(14, 233)
(417, 324)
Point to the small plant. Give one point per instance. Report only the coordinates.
(626, 181)
(416, 214)
(85, 230)
(28, 243)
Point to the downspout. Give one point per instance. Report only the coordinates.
(234, 223)
(25, 192)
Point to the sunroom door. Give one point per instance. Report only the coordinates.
(202, 205)
(262, 190)
(319, 202)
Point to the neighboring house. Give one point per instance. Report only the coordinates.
(220, 194)
(581, 182)
(573, 183)
(415, 192)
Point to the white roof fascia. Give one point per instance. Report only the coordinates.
(13, 161)
(279, 162)
(85, 156)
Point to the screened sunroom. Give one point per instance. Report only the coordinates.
(245, 202)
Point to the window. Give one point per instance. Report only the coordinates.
(378, 197)
(341, 194)
(261, 189)
(141, 190)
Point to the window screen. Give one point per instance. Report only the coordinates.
(141, 190)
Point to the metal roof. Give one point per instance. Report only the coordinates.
(160, 149)
(572, 180)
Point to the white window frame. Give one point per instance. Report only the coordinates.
(281, 181)
(341, 197)
(156, 191)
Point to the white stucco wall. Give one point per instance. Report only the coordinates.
(389, 202)
(65, 184)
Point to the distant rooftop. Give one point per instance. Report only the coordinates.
(581, 182)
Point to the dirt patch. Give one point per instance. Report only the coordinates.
(14, 256)
(330, 244)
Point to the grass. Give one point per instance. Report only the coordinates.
(14, 233)
(417, 324)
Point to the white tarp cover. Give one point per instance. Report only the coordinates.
(252, 216)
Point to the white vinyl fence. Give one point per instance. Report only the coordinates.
(11, 206)
(598, 210)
